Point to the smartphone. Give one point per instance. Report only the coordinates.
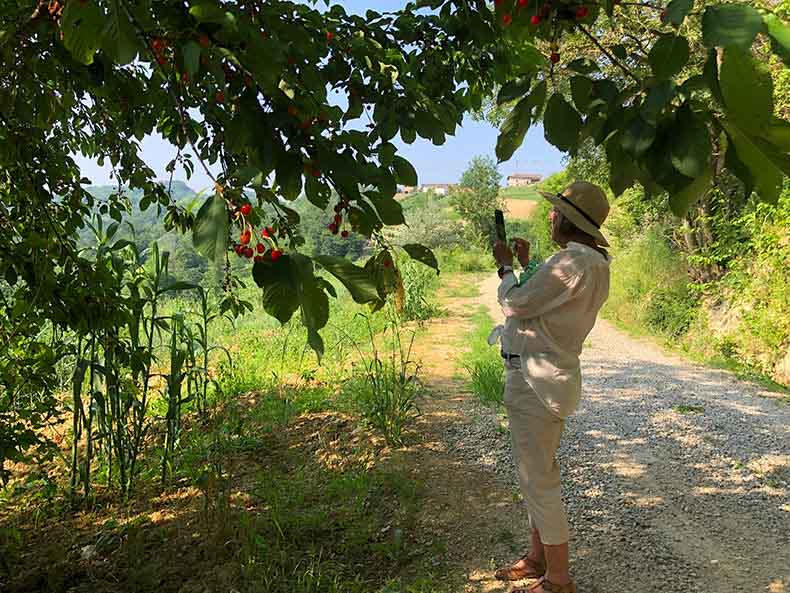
(499, 224)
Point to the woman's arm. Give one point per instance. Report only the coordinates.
(552, 285)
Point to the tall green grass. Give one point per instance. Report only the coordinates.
(483, 363)
(650, 288)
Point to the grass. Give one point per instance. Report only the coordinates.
(527, 192)
(482, 364)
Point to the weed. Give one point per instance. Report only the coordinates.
(689, 409)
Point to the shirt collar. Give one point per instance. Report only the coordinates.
(574, 246)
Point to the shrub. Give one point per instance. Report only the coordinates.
(384, 386)
(465, 259)
(419, 284)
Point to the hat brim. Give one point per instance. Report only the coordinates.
(577, 219)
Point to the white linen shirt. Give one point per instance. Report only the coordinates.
(548, 317)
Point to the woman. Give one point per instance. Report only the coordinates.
(548, 318)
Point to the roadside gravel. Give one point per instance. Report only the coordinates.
(675, 476)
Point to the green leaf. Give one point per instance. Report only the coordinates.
(279, 288)
(514, 129)
(581, 91)
(191, 58)
(778, 133)
(208, 12)
(767, 176)
(422, 254)
(737, 167)
(583, 66)
(638, 136)
(731, 25)
(669, 55)
(83, 27)
(358, 281)
(680, 201)
(289, 176)
(779, 33)
(513, 90)
(561, 123)
(318, 193)
(390, 211)
(657, 99)
(120, 40)
(747, 90)
(710, 74)
(210, 231)
(404, 171)
(691, 148)
(677, 10)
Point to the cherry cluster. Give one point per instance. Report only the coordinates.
(337, 222)
(266, 248)
(560, 10)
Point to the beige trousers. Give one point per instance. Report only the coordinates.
(535, 433)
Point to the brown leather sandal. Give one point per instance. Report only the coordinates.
(532, 570)
(544, 586)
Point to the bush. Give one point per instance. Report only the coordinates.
(385, 385)
(465, 259)
(419, 284)
(649, 286)
(487, 380)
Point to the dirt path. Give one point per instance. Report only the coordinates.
(675, 476)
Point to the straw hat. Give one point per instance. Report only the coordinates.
(585, 205)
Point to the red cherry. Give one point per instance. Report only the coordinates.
(387, 263)
(184, 77)
(245, 209)
(330, 36)
(276, 253)
(316, 172)
(523, 3)
(497, 2)
(582, 12)
(260, 248)
(239, 249)
(157, 44)
(333, 228)
(507, 19)
(204, 41)
(258, 259)
(161, 60)
(555, 57)
(219, 97)
(535, 20)
(264, 233)
(270, 230)
(248, 252)
(344, 234)
(305, 124)
(245, 237)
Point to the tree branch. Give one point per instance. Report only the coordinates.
(608, 54)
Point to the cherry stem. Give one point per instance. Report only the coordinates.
(608, 54)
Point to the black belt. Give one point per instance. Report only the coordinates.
(509, 357)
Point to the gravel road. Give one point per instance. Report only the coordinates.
(675, 476)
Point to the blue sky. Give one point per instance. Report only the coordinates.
(434, 164)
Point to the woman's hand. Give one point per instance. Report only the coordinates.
(502, 254)
(522, 251)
